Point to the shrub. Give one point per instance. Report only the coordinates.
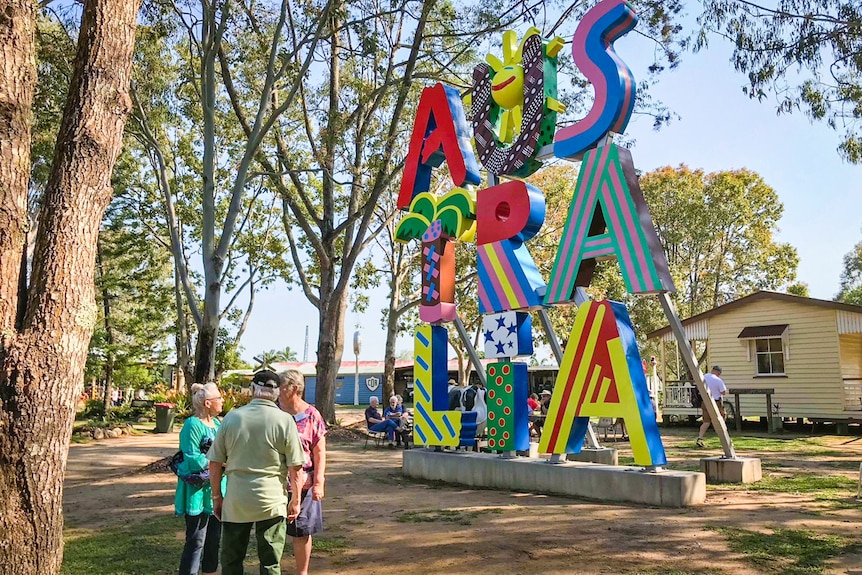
(93, 408)
(122, 413)
(234, 399)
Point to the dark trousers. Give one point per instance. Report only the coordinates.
(200, 552)
(270, 545)
(387, 425)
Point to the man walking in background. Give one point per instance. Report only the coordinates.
(716, 388)
(257, 446)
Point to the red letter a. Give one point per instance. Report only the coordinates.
(440, 132)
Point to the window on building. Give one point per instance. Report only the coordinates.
(770, 356)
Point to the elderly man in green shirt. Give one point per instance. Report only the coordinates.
(257, 446)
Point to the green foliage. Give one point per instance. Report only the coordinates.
(267, 358)
(234, 380)
(54, 53)
(807, 445)
(799, 288)
(228, 352)
(329, 544)
(787, 551)
(134, 293)
(805, 52)
(820, 485)
(851, 277)
(93, 408)
(234, 398)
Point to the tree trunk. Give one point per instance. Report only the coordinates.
(185, 375)
(205, 349)
(17, 85)
(43, 363)
(330, 349)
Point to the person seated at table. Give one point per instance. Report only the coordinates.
(395, 412)
(533, 402)
(377, 422)
(543, 410)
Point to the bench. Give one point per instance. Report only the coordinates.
(379, 438)
(142, 403)
(607, 424)
(736, 392)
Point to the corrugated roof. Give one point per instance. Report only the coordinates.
(755, 331)
(365, 367)
(762, 295)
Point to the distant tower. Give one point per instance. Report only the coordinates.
(305, 349)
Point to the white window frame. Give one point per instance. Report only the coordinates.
(783, 352)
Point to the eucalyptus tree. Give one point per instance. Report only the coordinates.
(47, 316)
(806, 53)
(340, 149)
(200, 162)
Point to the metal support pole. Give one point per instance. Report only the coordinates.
(471, 351)
(691, 362)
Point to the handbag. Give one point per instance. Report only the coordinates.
(197, 479)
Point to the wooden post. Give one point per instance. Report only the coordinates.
(769, 413)
(688, 356)
(736, 412)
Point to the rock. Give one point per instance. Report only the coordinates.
(142, 419)
(98, 433)
(117, 432)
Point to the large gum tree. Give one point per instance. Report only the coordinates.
(48, 315)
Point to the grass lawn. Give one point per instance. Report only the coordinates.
(151, 547)
(787, 551)
(772, 537)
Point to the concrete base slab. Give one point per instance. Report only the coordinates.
(603, 455)
(532, 453)
(590, 480)
(739, 470)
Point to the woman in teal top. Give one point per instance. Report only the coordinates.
(203, 530)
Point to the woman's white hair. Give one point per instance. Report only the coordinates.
(294, 378)
(200, 392)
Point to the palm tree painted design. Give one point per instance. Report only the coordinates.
(438, 222)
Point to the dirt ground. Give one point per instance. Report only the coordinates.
(389, 525)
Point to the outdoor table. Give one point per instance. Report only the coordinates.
(752, 391)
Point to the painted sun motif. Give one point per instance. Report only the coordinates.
(507, 85)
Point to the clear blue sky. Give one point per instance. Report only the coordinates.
(719, 129)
